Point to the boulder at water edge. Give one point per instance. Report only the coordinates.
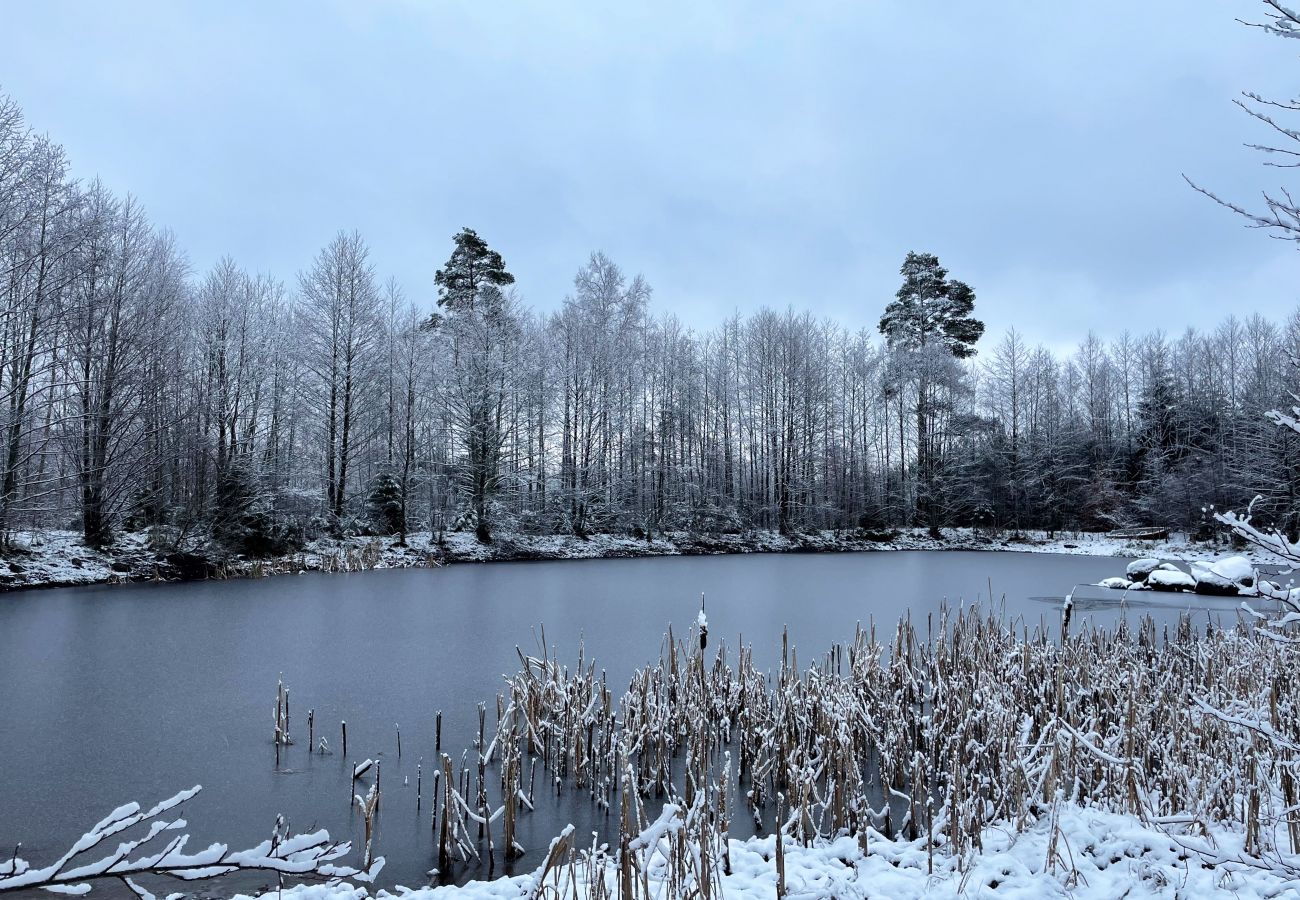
(1226, 578)
(1139, 569)
(1171, 579)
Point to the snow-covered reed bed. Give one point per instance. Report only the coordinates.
(933, 734)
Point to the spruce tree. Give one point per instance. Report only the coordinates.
(243, 517)
(386, 505)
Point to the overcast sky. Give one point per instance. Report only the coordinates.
(738, 154)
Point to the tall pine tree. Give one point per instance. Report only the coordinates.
(928, 324)
(483, 332)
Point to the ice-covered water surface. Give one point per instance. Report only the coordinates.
(117, 693)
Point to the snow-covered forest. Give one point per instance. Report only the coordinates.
(268, 407)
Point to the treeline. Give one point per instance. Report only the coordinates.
(136, 393)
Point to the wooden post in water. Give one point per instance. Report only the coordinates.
(481, 796)
(444, 858)
(433, 818)
(345, 739)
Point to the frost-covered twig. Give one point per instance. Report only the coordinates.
(1263, 729)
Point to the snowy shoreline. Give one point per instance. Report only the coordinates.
(47, 559)
(1072, 851)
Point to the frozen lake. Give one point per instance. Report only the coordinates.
(110, 694)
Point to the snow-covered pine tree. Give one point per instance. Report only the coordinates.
(483, 329)
(930, 323)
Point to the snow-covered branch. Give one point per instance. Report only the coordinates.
(284, 853)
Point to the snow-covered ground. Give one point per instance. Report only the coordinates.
(53, 557)
(1089, 855)
(41, 558)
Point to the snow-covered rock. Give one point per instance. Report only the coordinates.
(1238, 569)
(1171, 579)
(1209, 583)
(1115, 583)
(1139, 569)
(1228, 577)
